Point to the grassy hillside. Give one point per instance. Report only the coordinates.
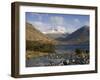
(37, 44)
(33, 34)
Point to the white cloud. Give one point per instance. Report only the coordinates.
(61, 28)
(87, 23)
(40, 26)
(57, 20)
(77, 20)
(43, 27)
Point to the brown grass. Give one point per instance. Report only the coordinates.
(33, 54)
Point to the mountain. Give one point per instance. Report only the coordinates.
(57, 35)
(56, 30)
(80, 36)
(33, 34)
(37, 43)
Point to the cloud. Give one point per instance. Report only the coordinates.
(87, 23)
(70, 28)
(40, 26)
(77, 20)
(43, 27)
(57, 20)
(61, 28)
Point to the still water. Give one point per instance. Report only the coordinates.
(62, 52)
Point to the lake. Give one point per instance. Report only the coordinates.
(70, 48)
(63, 52)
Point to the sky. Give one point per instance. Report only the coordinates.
(46, 21)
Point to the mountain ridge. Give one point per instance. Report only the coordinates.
(79, 36)
(33, 34)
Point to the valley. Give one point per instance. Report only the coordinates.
(56, 49)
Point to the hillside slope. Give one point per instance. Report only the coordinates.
(37, 44)
(79, 36)
(33, 34)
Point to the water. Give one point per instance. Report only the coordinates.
(63, 52)
(70, 48)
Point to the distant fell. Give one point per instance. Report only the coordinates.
(80, 36)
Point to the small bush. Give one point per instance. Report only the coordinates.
(87, 51)
(78, 51)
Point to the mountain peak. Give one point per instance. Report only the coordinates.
(58, 29)
(85, 27)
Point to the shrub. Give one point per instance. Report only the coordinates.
(87, 51)
(78, 51)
